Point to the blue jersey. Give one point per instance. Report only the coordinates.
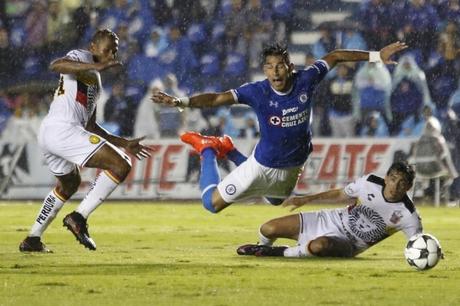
(284, 118)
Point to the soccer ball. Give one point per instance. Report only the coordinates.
(423, 251)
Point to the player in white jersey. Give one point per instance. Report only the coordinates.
(379, 207)
(70, 138)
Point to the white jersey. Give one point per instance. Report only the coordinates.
(372, 218)
(75, 99)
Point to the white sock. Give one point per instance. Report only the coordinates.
(297, 251)
(50, 208)
(264, 240)
(101, 188)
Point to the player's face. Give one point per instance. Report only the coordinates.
(396, 186)
(278, 72)
(104, 50)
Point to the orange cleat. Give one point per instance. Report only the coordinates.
(225, 146)
(200, 142)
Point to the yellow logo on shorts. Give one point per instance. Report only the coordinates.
(94, 139)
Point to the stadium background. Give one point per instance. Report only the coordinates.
(186, 47)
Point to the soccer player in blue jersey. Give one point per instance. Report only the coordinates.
(283, 104)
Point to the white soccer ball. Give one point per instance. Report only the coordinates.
(423, 251)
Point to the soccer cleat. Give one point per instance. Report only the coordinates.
(33, 244)
(200, 142)
(78, 226)
(225, 146)
(248, 249)
(266, 250)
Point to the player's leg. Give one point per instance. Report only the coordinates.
(283, 227)
(116, 166)
(330, 247)
(66, 186)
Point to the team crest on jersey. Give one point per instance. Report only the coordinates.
(230, 189)
(303, 98)
(396, 216)
(94, 139)
(275, 120)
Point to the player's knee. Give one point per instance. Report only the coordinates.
(268, 229)
(319, 246)
(121, 170)
(69, 187)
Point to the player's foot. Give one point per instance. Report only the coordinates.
(261, 250)
(200, 142)
(248, 249)
(225, 146)
(78, 226)
(33, 244)
(266, 250)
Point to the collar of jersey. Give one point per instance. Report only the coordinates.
(279, 93)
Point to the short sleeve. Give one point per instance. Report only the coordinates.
(413, 226)
(352, 189)
(247, 94)
(77, 55)
(317, 71)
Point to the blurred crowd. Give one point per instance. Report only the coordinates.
(190, 46)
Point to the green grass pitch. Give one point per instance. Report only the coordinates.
(178, 254)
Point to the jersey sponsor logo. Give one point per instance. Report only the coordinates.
(273, 103)
(94, 139)
(367, 224)
(290, 110)
(303, 98)
(295, 119)
(230, 189)
(275, 120)
(370, 196)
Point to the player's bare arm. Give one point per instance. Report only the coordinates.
(385, 53)
(132, 146)
(67, 66)
(198, 101)
(331, 196)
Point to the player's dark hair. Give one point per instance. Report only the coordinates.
(103, 34)
(404, 168)
(275, 50)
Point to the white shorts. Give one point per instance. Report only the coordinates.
(251, 179)
(65, 146)
(317, 224)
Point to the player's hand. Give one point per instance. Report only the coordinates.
(387, 51)
(135, 148)
(107, 65)
(163, 98)
(295, 202)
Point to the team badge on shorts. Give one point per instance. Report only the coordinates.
(230, 189)
(94, 139)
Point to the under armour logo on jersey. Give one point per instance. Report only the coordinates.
(273, 104)
(275, 120)
(370, 196)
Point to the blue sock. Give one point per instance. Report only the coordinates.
(209, 177)
(236, 157)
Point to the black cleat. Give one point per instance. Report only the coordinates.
(266, 250)
(78, 226)
(33, 244)
(247, 249)
(261, 250)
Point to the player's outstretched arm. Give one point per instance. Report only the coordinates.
(332, 196)
(384, 55)
(132, 146)
(67, 66)
(199, 101)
